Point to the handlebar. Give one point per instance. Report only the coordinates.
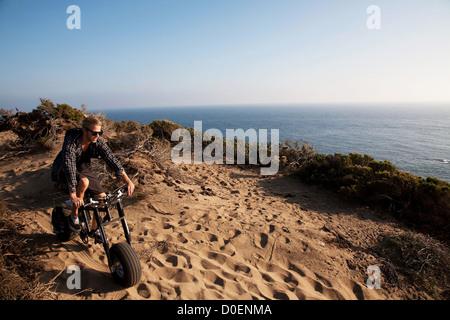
(110, 199)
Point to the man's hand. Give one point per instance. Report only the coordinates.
(76, 202)
(130, 184)
(130, 187)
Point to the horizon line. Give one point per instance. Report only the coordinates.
(292, 104)
(262, 104)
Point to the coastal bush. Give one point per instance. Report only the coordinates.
(65, 111)
(6, 122)
(424, 260)
(61, 111)
(163, 129)
(126, 126)
(380, 183)
(131, 135)
(294, 155)
(39, 128)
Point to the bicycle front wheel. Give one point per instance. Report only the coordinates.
(125, 267)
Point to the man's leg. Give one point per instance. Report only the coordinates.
(82, 186)
(94, 222)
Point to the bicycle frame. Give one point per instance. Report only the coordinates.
(96, 206)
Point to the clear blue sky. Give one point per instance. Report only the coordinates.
(139, 53)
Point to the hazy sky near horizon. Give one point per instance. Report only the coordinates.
(223, 52)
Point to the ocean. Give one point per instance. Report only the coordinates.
(414, 138)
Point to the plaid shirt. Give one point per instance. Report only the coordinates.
(71, 158)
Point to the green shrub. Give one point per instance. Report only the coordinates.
(65, 111)
(163, 128)
(434, 185)
(61, 111)
(379, 183)
(126, 126)
(294, 155)
(39, 128)
(384, 166)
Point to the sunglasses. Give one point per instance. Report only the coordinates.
(94, 133)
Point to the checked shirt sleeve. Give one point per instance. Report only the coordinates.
(69, 157)
(106, 154)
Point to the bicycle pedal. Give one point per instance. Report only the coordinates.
(84, 238)
(98, 238)
(75, 230)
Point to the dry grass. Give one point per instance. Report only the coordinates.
(19, 272)
(422, 259)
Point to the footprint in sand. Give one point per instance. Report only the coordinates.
(143, 291)
(209, 265)
(214, 278)
(280, 295)
(264, 240)
(172, 260)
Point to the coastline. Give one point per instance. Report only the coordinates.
(398, 135)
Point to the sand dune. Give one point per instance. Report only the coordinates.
(212, 232)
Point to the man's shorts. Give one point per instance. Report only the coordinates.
(95, 187)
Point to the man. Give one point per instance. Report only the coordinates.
(72, 166)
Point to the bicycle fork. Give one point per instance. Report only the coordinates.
(101, 223)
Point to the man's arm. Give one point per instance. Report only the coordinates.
(69, 164)
(69, 157)
(106, 154)
(111, 160)
(127, 180)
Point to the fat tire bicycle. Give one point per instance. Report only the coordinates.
(123, 261)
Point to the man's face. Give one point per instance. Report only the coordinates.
(92, 132)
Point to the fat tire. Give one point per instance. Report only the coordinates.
(124, 257)
(61, 224)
